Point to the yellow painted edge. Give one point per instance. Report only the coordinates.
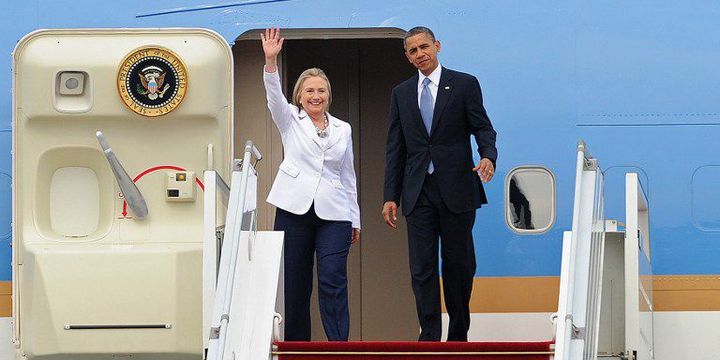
(687, 292)
(514, 294)
(539, 294)
(5, 298)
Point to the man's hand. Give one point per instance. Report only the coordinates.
(389, 212)
(355, 235)
(485, 170)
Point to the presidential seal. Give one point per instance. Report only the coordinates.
(152, 81)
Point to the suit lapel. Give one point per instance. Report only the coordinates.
(443, 94)
(413, 90)
(334, 131)
(309, 128)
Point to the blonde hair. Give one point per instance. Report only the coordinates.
(304, 76)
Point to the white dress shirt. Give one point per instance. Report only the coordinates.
(314, 170)
(433, 85)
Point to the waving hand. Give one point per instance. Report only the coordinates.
(272, 44)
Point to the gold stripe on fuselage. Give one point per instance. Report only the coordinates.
(539, 294)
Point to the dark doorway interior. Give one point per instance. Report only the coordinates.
(362, 73)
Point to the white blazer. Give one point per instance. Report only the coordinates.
(313, 169)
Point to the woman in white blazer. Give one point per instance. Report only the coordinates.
(316, 197)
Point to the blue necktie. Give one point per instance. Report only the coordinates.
(426, 111)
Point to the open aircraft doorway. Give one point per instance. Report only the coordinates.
(363, 66)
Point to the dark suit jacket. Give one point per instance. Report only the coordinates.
(458, 114)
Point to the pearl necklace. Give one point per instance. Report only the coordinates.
(322, 132)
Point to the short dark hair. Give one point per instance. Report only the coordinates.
(419, 30)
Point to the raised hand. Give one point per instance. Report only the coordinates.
(272, 44)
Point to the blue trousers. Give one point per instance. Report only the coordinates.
(306, 236)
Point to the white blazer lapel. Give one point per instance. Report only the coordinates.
(309, 128)
(334, 128)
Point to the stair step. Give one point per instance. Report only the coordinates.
(405, 350)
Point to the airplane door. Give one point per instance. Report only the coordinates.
(98, 272)
(363, 66)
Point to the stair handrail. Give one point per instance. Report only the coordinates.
(230, 246)
(563, 321)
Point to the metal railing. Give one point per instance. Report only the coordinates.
(578, 316)
(241, 220)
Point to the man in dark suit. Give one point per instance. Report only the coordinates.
(429, 165)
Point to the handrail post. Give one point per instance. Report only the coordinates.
(228, 258)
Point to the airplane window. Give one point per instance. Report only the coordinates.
(530, 199)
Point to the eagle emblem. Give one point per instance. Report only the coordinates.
(152, 78)
(152, 81)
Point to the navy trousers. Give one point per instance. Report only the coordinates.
(329, 241)
(431, 224)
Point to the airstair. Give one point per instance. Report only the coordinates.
(605, 300)
(239, 304)
(599, 258)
